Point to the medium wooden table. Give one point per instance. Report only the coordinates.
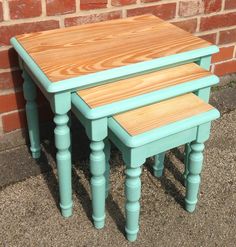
(61, 62)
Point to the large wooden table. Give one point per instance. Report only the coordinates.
(64, 63)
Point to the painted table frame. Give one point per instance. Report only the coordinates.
(95, 122)
(61, 95)
(136, 149)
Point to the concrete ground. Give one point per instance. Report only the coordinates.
(29, 214)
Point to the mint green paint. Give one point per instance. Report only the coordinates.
(107, 150)
(32, 115)
(99, 165)
(63, 157)
(203, 132)
(61, 104)
(135, 150)
(141, 100)
(132, 205)
(205, 62)
(187, 151)
(98, 184)
(204, 94)
(161, 145)
(109, 75)
(158, 165)
(193, 178)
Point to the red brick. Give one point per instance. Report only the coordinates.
(8, 59)
(187, 25)
(122, 2)
(24, 8)
(149, 1)
(225, 68)
(57, 7)
(230, 4)
(228, 36)
(13, 121)
(217, 21)
(73, 21)
(190, 7)
(10, 79)
(92, 4)
(211, 6)
(1, 12)
(10, 102)
(164, 11)
(225, 53)
(6, 32)
(209, 37)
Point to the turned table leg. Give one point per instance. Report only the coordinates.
(158, 165)
(61, 105)
(193, 178)
(32, 114)
(187, 151)
(98, 183)
(63, 157)
(132, 205)
(107, 151)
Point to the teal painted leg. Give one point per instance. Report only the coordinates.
(98, 183)
(70, 127)
(158, 165)
(107, 172)
(63, 156)
(193, 178)
(132, 206)
(204, 93)
(187, 151)
(32, 115)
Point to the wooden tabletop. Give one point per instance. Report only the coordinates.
(153, 116)
(142, 84)
(75, 51)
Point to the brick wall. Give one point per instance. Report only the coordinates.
(213, 20)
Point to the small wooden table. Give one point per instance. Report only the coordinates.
(63, 61)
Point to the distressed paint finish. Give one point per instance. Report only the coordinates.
(29, 89)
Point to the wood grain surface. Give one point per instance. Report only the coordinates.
(123, 89)
(156, 115)
(80, 50)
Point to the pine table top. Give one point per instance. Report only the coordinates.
(81, 50)
(142, 84)
(153, 116)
